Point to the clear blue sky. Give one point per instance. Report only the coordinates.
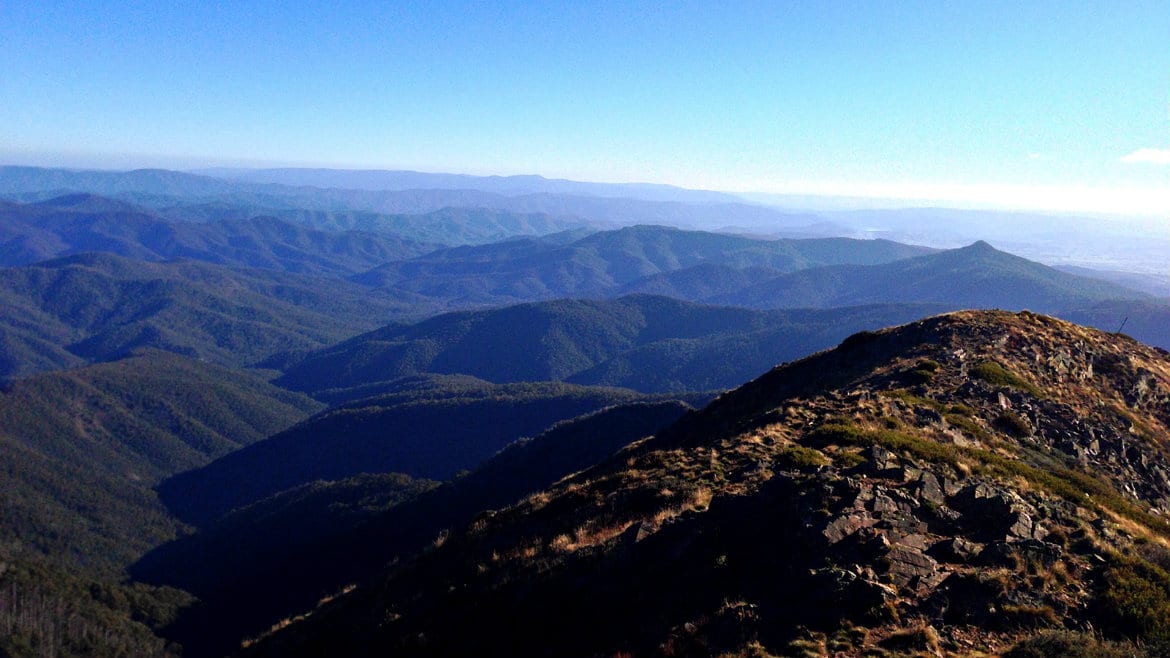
(1044, 100)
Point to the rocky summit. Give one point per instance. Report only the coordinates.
(967, 485)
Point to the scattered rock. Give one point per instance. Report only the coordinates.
(907, 566)
(843, 526)
(955, 550)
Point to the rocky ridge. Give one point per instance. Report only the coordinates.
(949, 487)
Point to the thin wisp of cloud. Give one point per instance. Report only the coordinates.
(1148, 156)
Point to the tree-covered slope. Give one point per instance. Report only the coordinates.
(335, 533)
(79, 223)
(642, 342)
(47, 610)
(429, 433)
(95, 307)
(83, 449)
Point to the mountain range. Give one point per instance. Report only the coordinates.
(317, 412)
(505, 185)
(162, 188)
(605, 262)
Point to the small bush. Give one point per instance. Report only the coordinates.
(960, 409)
(922, 373)
(967, 424)
(995, 374)
(1028, 616)
(1012, 424)
(929, 365)
(1134, 599)
(1068, 644)
(847, 459)
(801, 457)
(924, 639)
(912, 399)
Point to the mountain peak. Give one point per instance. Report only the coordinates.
(980, 247)
(932, 476)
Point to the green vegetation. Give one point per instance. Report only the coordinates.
(968, 425)
(1134, 600)
(651, 344)
(957, 277)
(81, 451)
(153, 414)
(47, 611)
(848, 459)
(923, 372)
(1012, 424)
(959, 409)
(1071, 644)
(995, 374)
(335, 533)
(100, 307)
(83, 448)
(795, 456)
(913, 400)
(848, 434)
(634, 259)
(85, 223)
(433, 432)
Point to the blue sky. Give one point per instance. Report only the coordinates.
(1044, 104)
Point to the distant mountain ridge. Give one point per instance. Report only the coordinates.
(659, 344)
(600, 264)
(79, 223)
(398, 180)
(161, 188)
(976, 276)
